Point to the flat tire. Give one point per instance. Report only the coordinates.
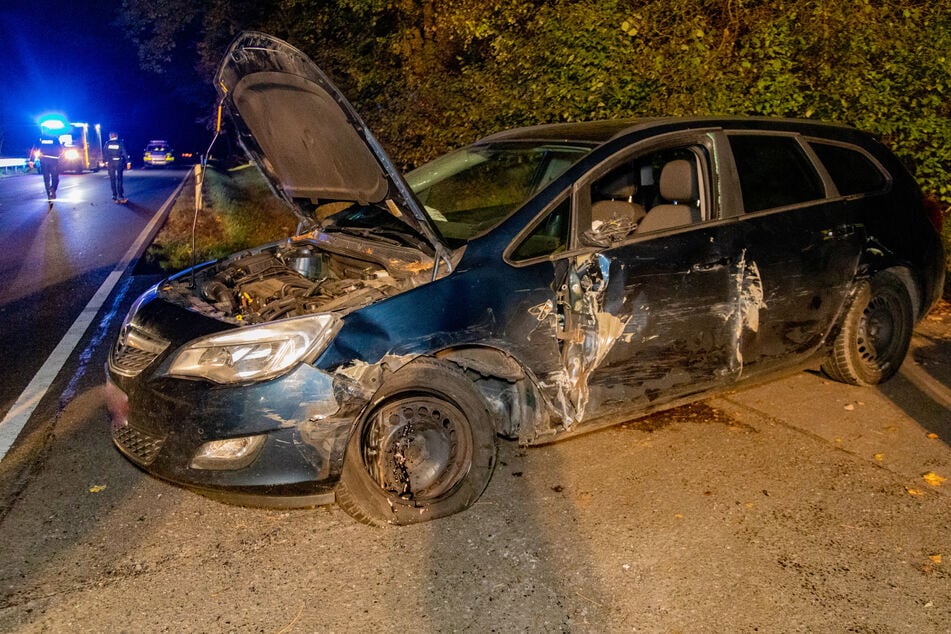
(425, 449)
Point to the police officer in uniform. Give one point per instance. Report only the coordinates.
(116, 157)
(50, 151)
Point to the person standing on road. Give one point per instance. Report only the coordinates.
(116, 157)
(49, 153)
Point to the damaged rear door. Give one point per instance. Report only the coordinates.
(806, 246)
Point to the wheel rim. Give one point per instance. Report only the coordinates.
(418, 448)
(876, 336)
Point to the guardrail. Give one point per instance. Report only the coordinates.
(12, 164)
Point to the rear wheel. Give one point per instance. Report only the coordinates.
(875, 334)
(426, 450)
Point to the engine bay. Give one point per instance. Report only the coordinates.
(287, 280)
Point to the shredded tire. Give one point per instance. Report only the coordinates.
(426, 448)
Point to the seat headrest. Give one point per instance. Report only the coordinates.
(620, 185)
(678, 181)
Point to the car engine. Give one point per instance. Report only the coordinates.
(285, 281)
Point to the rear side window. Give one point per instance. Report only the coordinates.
(851, 171)
(774, 171)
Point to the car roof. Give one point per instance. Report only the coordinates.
(598, 132)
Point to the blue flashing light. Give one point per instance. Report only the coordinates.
(53, 123)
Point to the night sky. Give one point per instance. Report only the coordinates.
(70, 57)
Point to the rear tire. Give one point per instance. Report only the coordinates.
(875, 334)
(425, 450)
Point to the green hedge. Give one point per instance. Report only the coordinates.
(431, 75)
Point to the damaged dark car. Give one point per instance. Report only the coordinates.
(542, 282)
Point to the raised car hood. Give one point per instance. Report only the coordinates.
(306, 137)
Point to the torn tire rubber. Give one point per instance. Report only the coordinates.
(426, 449)
(875, 333)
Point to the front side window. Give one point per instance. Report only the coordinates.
(851, 171)
(660, 190)
(469, 191)
(774, 171)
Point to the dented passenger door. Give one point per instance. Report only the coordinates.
(653, 321)
(656, 311)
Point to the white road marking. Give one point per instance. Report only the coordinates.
(925, 383)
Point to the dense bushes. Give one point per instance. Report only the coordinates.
(431, 75)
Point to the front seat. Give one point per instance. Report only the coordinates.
(619, 189)
(678, 186)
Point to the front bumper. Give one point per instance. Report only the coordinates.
(160, 424)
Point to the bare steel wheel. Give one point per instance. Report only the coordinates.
(875, 333)
(418, 447)
(425, 449)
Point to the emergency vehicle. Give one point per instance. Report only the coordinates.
(79, 154)
(158, 154)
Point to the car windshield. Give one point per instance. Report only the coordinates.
(469, 191)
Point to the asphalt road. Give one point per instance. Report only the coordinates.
(54, 257)
(801, 505)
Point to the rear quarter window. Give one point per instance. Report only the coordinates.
(851, 170)
(774, 171)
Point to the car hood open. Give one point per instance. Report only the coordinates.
(305, 136)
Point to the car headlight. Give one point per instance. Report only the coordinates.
(71, 155)
(255, 353)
